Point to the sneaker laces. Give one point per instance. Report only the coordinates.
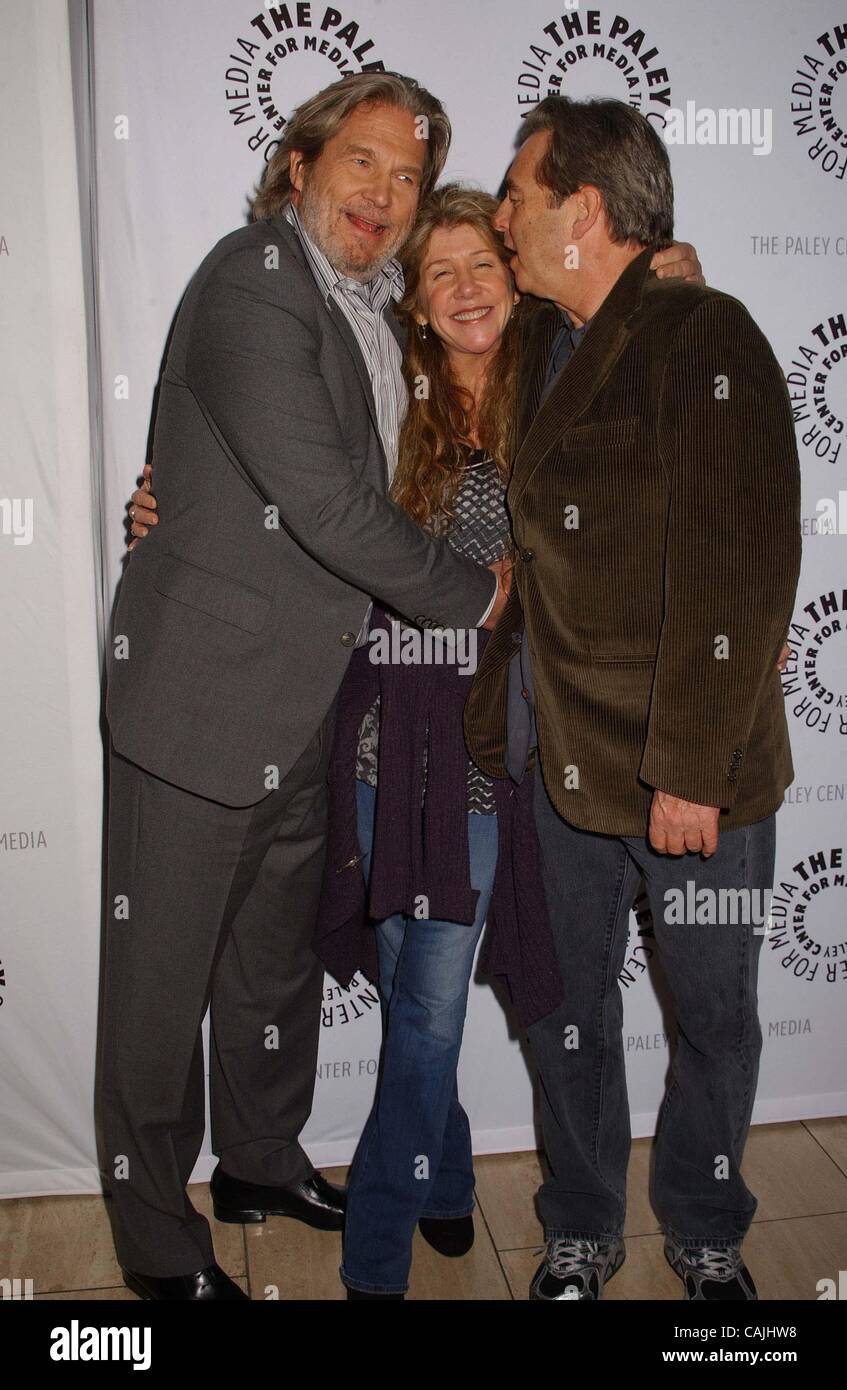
(714, 1263)
(565, 1257)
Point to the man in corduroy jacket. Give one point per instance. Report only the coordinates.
(655, 508)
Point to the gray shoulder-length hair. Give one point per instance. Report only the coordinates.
(316, 120)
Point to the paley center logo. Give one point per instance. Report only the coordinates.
(808, 917)
(817, 384)
(818, 101)
(286, 53)
(811, 682)
(580, 53)
(344, 1004)
(641, 943)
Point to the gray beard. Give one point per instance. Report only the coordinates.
(309, 210)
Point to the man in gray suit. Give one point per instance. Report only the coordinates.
(276, 432)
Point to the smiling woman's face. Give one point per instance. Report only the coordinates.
(465, 291)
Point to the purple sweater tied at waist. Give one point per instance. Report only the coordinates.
(422, 850)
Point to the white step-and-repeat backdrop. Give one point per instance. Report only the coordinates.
(187, 99)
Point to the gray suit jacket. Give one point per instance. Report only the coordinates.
(237, 616)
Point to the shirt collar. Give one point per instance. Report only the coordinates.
(330, 279)
(567, 322)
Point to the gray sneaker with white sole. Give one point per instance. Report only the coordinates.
(711, 1274)
(576, 1269)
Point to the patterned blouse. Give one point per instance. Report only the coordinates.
(480, 530)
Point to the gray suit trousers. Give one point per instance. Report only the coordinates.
(207, 904)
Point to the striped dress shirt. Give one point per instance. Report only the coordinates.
(363, 307)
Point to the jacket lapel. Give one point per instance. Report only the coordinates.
(583, 375)
(544, 331)
(339, 322)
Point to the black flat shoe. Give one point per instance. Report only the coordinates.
(314, 1201)
(359, 1293)
(451, 1236)
(206, 1286)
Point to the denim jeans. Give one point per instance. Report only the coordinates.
(698, 1193)
(414, 1157)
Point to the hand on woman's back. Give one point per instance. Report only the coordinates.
(142, 508)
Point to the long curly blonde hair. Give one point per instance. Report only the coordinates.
(441, 422)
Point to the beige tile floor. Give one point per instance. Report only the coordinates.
(798, 1171)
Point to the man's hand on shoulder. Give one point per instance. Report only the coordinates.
(678, 262)
(678, 826)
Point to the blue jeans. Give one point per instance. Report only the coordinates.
(699, 1195)
(414, 1157)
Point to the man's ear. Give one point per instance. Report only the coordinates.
(588, 208)
(296, 169)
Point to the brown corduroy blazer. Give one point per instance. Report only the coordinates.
(655, 504)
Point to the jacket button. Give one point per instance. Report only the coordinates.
(348, 638)
(527, 555)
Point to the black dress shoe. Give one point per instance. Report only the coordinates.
(360, 1293)
(206, 1286)
(313, 1201)
(448, 1235)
